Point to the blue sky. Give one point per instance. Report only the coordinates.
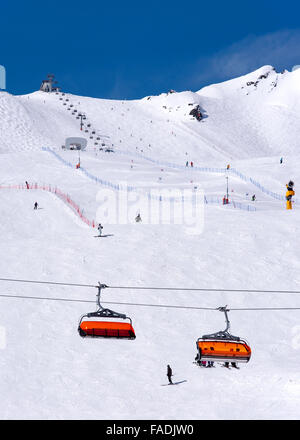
(131, 49)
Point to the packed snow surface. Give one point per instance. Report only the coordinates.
(48, 371)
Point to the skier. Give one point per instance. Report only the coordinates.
(187, 164)
(169, 374)
(35, 205)
(210, 364)
(281, 160)
(253, 198)
(100, 227)
(192, 164)
(138, 218)
(27, 184)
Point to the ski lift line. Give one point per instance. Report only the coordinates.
(196, 289)
(44, 298)
(48, 282)
(2, 295)
(262, 308)
(202, 308)
(189, 289)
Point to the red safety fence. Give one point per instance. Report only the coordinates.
(60, 194)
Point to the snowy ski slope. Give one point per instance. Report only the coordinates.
(48, 371)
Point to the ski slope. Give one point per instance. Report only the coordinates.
(48, 371)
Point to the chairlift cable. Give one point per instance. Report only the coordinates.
(189, 289)
(44, 298)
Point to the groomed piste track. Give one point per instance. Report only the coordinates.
(58, 193)
(118, 187)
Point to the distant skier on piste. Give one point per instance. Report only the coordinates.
(35, 205)
(138, 218)
(169, 374)
(100, 227)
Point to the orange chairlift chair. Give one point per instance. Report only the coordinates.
(222, 346)
(107, 324)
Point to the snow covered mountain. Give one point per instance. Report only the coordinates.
(48, 371)
(255, 115)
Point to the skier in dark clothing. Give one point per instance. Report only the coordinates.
(100, 227)
(35, 205)
(27, 184)
(169, 374)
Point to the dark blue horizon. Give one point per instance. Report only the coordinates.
(128, 51)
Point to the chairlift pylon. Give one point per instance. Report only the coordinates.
(107, 323)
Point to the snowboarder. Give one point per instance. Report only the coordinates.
(169, 374)
(35, 205)
(138, 218)
(100, 227)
